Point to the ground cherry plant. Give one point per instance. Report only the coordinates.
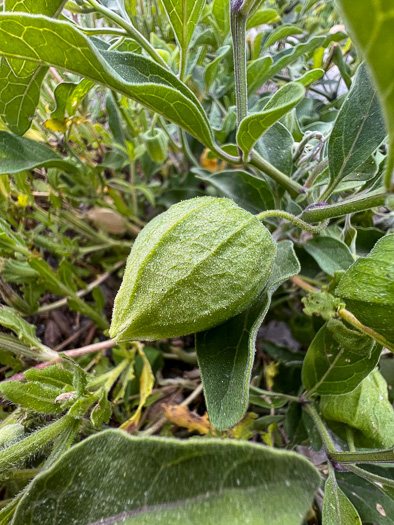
(197, 262)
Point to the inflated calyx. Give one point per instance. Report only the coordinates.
(191, 268)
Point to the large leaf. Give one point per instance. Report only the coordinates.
(366, 409)
(184, 16)
(371, 26)
(372, 505)
(252, 127)
(368, 288)
(337, 509)
(226, 352)
(115, 478)
(247, 190)
(358, 129)
(20, 81)
(19, 154)
(60, 44)
(338, 359)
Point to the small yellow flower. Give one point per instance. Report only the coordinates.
(22, 200)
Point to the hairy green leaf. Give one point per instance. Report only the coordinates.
(280, 32)
(255, 125)
(336, 506)
(371, 26)
(33, 396)
(20, 81)
(19, 154)
(225, 353)
(368, 288)
(121, 479)
(184, 16)
(338, 359)
(358, 129)
(132, 75)
(366, 409)
(332, 255)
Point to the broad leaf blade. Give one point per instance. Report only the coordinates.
(226, 352)
(336, 507)
(368, 288)
(20, 80)
(332, 255)
(366, 409)
(19, 154)
(132, 75)
(121, 479)
(371, 26)
(254, 126)
(184, 16)
(338, 359)
(358, 129)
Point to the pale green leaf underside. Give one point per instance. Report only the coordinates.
(59, 44)
(20, 81)
(225, 353)
(371, 25)
(115, 478)
(19, 154)
(184, 16)
(254, 126)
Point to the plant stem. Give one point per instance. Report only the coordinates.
(260, 392)
(31, 444)
(281, 178)
(130, 30)
(378, 456)
(317, 212)
(326, 438)
(375, 479)
(81, 293)
(238, 33)
(352, 320)
(295, 220)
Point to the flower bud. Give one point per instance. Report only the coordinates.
(191, 268)
(156, 142)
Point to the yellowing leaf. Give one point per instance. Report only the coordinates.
(57, 124)
(183, 417)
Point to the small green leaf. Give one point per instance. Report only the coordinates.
(280, 32)
(358, 129)
(118, 478)
(368, 288)
(336, 507)
(255, 125)
(256, 73)
(247, 190)
(183, 16)
(338, 359)
(51, 375)
(33, 396)
(276, 145)
(331, 254)
(225, 353)
(262, 16)
(24, 330)
(20, 154)
(371, 26)
(20, 81)
(102, 412)
(321, 303)
(366, 409)
(130, 74)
